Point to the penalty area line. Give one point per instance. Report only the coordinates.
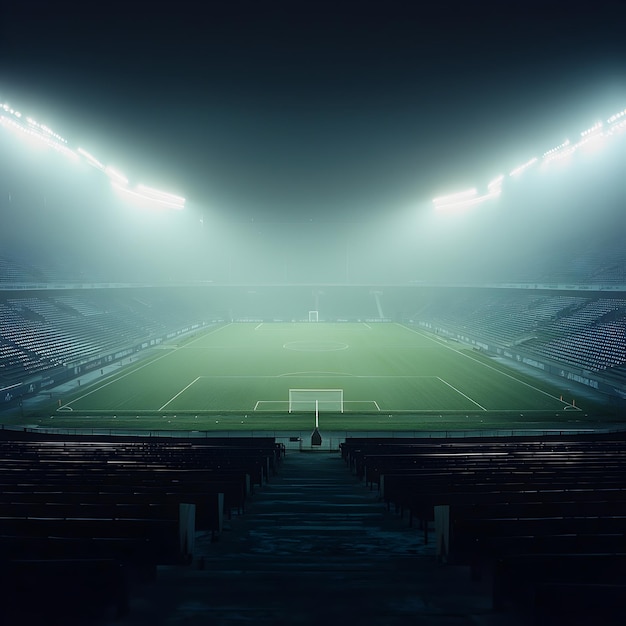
(467, 356)
(460, 392)
(179, 393)
(145, 364)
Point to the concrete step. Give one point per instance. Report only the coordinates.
(315, 547)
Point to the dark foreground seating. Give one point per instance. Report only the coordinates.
(55, 591)
(83, 520)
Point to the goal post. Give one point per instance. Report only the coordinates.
(312, 400)
(314, 316)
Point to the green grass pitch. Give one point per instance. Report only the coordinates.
(240, 376)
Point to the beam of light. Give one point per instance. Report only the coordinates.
(455, 197)
(594, 130)
(616, 117)
(149, 201)
(496, 184)
(516, 171)
(115, 176)
(558, 148)
(91, 159)
(469, 198)
(40, 136)
(617, 123)
(617, 127)
(591, 139)
(45, 130)
(8, 109)
(163, 196)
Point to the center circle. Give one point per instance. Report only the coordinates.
(315, 346)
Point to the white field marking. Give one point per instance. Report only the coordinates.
(313, 374)
(392, 376)
(136, 369)
(367, 325)
(310, 375)
(260, 402)
(178, 394)
(258, 326)
(464, 395)
(64, 407)
(495, 369)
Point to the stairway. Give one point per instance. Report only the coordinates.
(314, 547)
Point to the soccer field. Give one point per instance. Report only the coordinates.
(351, 368)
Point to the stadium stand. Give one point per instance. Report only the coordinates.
(539, 517)
(585, 332)
(99, 515)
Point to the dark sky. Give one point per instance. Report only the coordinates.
(314, 110)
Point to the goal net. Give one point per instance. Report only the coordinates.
(307, 400)
(313, 316)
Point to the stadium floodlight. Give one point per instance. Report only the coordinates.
(616, 117)
(455, 197)
(34, 131)
(566, 149)
(590, 139)
(115, 175)
(8, 109)
(617, 122)
(174, 201)
(618, 127)
(556, 149)
(151, 201)
(468, 198)
(595, 129)
(495, 186)
(516, 171)
(30, 128)
(91, 159)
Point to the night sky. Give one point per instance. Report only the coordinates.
(314, 110)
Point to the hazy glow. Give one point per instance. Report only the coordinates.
(496, 184)
(616, 117)
(455, 197)
(116, 176)
(151, 200)
(592, 138)
(177, 202)
(557, 149)
(91, 159)
(521, 168)
(463, 200)
(594, 129)
(39, 133)
(31, 129)
(469, 197)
